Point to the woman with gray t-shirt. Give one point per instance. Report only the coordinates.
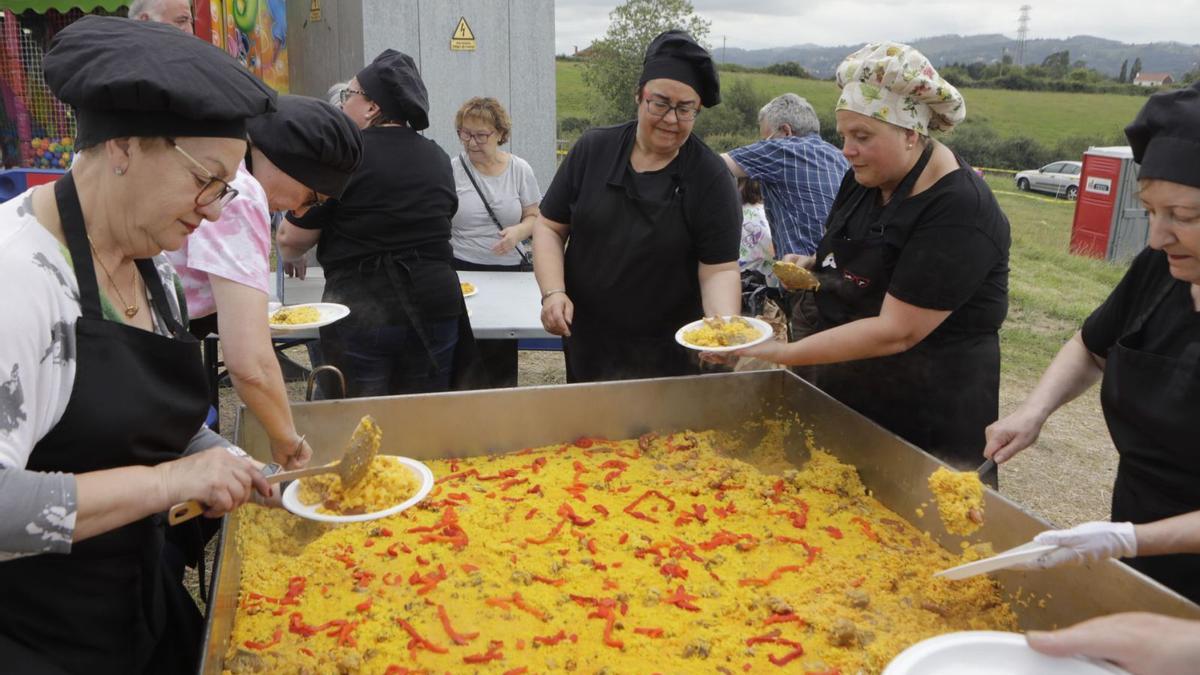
(498, 199)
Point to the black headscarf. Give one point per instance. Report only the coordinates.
(139, 78)
(1165, 136)
(309, 140)
(394, 83)
(675, 55)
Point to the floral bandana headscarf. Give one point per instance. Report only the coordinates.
(895, 83)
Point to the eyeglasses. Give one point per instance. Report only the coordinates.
(348, 92)
(215, 190)
(480, 137)
(683, 112)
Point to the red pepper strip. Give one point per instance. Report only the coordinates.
(385, 532)
(858, 582)
(428, 582)
(812, 552)
(649, 493)
(455, 637)
(468, 567)
(511, 482)
(460, 496)
(344, 637)
(517, 671)
(530, 514)
(700, 510)
(599, 508)
(390, 552)
(275, 638)
(834, 532)
(615, 464)
(682, 548)
(553, 533)
(831, 671)
(773, 577)
(307, 652)
(565, 511)
(583, 442)
(591, 546)
(461, 474)
(369, 543)
(362, 578)
(673, 570)
(611, 585)
(547, 580)
(649, 632)
(727, 538)
(393, 669)
(550, 640)
(682, 600)
(538, 464)
(583, 600)
(782, 618)
(507, 473)
(777, 489)
(786, 658)
(498, 602)
(417, 640)
(492, 654)
(535, 490)
(524, 606)
(726, 511)
(628, 455)
(623, 538)
(866, 528)
(365, 605)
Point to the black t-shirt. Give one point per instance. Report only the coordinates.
(950, 247)
(1173, 326)
(400, 201)
(636, 239)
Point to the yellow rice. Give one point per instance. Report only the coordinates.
(718, 332)
(387, 483)
(959, 496)
(288, 316)
(795, 558)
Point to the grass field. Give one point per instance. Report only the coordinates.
(1046, 117)
(1051, 291)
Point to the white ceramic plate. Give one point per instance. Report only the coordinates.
(764, 329)
(291, 498)
(474, 290)
(330, 312)
(987, 652)
(1004, 559)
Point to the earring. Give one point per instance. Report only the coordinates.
(119, 171)
(910, 146)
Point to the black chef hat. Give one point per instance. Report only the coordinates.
(1165, 136)
(675, 55)
(309, 140)
(394, 83)
(140, 78)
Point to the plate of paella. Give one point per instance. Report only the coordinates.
(468, 288)
(305, 316)
(724, 333)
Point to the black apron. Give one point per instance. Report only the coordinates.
(938, 395)
(379, 290)
(1150, 404)
(594, 354)
(137, 399)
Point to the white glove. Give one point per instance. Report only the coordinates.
(1086, 543)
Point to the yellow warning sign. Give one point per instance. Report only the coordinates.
(463, 39)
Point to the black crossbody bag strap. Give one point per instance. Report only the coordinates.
(466, 165)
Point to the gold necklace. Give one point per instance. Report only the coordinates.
(130, 310)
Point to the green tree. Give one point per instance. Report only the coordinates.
(1137, 68)
(787, 69)
(1058, 63)
(1124, 76)
(613, 70)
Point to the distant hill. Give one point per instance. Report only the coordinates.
(1103, 55)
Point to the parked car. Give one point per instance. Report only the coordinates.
(1060, 179)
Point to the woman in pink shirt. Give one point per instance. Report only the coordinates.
(299, 156)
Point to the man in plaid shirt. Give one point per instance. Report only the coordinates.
(799, 172)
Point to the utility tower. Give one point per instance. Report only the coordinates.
(1022, 33)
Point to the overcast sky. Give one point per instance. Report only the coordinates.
(755, 24)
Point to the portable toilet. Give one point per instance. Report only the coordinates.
(1109, 219)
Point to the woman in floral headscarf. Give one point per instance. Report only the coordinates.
(913, 266)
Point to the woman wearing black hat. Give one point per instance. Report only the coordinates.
(653, 223)
(385, 245)
(299, 156)
(103, 389)
(1143, 344)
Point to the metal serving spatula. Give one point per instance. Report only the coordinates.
(352, 468)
